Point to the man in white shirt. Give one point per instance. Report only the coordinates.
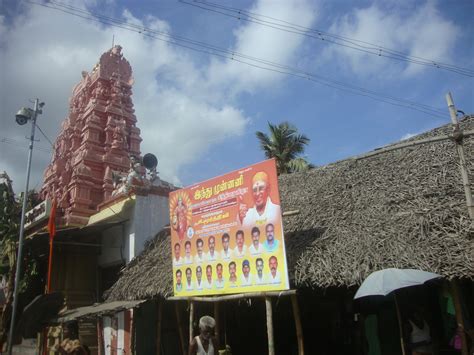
(264, 211)
(233, 274)
(199, 285)
(208, 282)
(220, 279)
(188, 259)
(211, 243)
(177, 261)
(189, 282)
(256, 248)
(179, 284)
(199, 258)
(274, 275)
(226, 252)
(260, 278)
(240, 249)
(246, 278)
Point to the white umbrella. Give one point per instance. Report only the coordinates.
(383, 282)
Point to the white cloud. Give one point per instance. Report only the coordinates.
(408, 136)
(183, 109)
(263, 43)
(419, 31)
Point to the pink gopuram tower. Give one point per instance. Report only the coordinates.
(97, 137)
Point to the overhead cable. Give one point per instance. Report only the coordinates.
(241, 58)
(347, 42)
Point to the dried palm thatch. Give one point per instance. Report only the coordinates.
(401, 208)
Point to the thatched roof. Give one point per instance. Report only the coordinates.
(402, 208)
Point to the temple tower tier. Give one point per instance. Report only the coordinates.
(97, 138)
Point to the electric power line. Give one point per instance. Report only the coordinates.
(44, 135)
(242, 58)
(19, 144)
(339, 40)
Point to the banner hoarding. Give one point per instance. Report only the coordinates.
(227, 234)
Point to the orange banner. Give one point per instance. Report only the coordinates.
(227, 234)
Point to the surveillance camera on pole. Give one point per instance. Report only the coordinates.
(22, 117)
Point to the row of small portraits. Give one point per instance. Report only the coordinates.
(270, 245)
(234, 278)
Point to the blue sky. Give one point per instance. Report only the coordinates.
(199, 113)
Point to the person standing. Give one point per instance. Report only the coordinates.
(419, 337)
(205, 343)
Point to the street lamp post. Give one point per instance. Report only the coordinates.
(22, 117)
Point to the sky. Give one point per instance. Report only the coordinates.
(198, 112)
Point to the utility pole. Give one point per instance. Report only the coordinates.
(458, 137)
(22, 118)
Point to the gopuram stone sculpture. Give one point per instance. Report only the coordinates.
(96, 142)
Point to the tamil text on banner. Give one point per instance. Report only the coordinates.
(227, 234)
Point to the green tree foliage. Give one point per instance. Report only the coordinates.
(10, 218)
(286, 145)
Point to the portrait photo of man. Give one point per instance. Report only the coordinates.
(256, 248)
(270, 244)
(220, 277)
(189, 282)
(177, 260)
(208, 282)
(274, 275)
(199, 258)
(199, 285)
(226, 252)
(232, 274)
(264, 210)
(179, 284)
(240, 249)
(188, 259)
(211, 244)
(260, 277)
(246, 277)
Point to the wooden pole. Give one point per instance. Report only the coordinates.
(462, 157)
(459, 315)
(271, 344)
(158, 326)
(191, 320)
(400, 325)
(217, 330)
(233, 297)
(180, 329)
(299, 328)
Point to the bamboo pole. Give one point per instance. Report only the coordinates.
(400, 325)
(299, 328)
(271, 344)
(191, 321)
(217, 330)
(290, 213)
(462, 157)
(234, 297)
(158, 326)
(459, 315)
(180, 329)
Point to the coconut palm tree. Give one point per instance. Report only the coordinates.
(286, 145)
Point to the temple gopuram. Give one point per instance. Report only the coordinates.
(98, 139)
(110, 201)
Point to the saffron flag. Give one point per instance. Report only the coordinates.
(52, 221)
